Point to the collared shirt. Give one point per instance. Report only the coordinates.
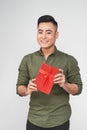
(54, 109)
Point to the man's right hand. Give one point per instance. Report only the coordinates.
(24, 91)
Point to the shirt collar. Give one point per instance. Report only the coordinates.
(54, 53)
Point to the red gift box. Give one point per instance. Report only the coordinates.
(44, 78)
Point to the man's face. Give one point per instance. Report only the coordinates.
(46, 35)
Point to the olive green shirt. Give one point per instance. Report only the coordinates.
(53, 109)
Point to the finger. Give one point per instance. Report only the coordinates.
(58, 75)
(61, 71)
(61, 81)
(57, 79)
(32, 87)
(32, 80)
(32, 83)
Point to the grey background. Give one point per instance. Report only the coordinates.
(18, 19)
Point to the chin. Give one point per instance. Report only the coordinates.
(45, 47)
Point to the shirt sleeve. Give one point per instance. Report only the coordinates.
(23, 75)
(74, 75)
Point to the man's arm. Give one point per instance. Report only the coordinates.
(71, 88)
(26, 90)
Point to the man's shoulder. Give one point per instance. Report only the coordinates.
(66, 55)
(62, 53)
(31, 54)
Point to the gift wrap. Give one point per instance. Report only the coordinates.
(44, 78)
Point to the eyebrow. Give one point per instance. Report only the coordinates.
(48, 30)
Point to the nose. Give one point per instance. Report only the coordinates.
(44, 35)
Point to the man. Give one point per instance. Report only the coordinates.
(51, 111)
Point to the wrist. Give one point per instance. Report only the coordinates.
(65, 85)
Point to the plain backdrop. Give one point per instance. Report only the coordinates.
(18, 28)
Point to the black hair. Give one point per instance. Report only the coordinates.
(47, 18)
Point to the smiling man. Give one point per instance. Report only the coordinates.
(46, 36)
(51, 111)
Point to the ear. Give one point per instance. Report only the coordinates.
(57, 35)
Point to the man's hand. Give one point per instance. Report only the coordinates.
(24, 91)
(31, 87)
(60, 78)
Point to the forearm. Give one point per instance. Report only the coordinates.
(70, 88)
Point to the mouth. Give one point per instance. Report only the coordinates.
(44, 41)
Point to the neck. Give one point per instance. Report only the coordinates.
(47, 51)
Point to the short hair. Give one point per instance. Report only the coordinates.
(47, 18)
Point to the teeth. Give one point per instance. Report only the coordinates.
(44, 41)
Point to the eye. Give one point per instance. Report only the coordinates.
(39, 32)
(48, 32)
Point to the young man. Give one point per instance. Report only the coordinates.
(51, 111)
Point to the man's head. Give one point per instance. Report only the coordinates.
(47, 31)
(47, 18)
